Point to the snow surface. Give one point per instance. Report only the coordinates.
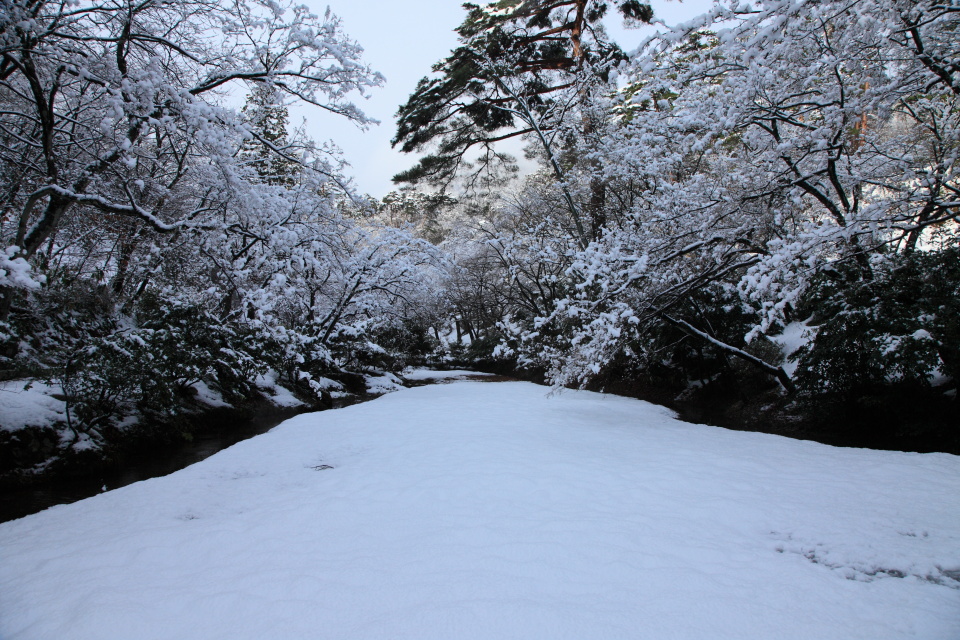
(20, 407)
(477, 510)
(432, 374)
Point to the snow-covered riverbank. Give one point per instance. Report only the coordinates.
(474, 510)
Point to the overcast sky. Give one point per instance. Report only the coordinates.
(402, 41)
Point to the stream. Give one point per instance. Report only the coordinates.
(19, 502)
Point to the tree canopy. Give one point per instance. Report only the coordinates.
(511, 50)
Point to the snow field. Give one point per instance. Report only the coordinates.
(477, 510)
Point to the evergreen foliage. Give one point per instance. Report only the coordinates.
(513, 52)
(149, 370)
(268, 150)
(901, 327)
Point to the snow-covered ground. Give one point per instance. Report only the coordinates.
(475, 510)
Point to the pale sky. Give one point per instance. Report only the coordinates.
(402, 41)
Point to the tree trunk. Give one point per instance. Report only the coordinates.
(777, 372)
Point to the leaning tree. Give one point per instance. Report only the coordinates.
(523, 67)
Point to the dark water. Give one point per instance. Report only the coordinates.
(16, 502)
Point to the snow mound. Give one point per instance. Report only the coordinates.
(275, 393)
(209, 396)
(29, 407)
(386, 383)
(326, 384)
(475, 510)
(431, 374)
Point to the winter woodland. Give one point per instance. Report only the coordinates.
(761, 203)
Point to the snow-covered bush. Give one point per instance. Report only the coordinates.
(148, 369)
(900, 328)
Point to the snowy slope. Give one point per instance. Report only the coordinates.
(489, 510)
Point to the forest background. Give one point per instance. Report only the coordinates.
(753, 213)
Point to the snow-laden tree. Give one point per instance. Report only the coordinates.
(761, 147)
(523, 68)
(115, 108)
(269, 151)
(158, 235)
(421, 211)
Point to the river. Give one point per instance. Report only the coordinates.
(19, 502)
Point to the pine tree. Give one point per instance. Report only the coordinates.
(268, 150)
(537, 45)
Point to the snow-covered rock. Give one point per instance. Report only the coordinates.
(29, 403)
(386, 383)
(276, 393)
